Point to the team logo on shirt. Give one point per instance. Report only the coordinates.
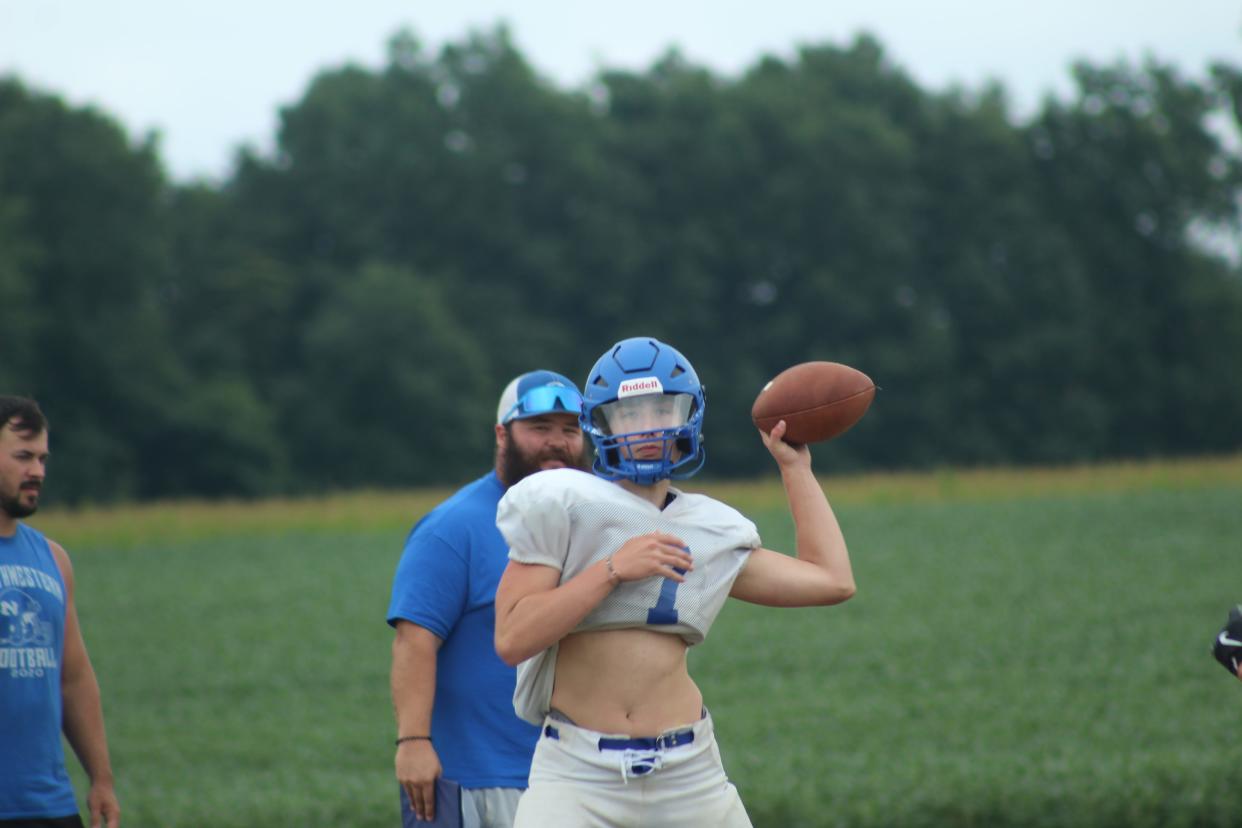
(26, 636)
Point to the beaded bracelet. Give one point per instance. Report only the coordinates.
(411, 739)
(612, 573)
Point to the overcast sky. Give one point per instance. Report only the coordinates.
(211, 76)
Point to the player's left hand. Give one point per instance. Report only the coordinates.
(786, 454)
(1228, 645)
(656, 554)
(104, 808)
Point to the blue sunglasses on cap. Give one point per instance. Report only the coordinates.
(546, 399)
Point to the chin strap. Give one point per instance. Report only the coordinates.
(656, 473)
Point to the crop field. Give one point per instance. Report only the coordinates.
(1027, 648)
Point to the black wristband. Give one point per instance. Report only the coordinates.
(411, 739)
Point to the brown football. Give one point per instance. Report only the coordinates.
(817, 401)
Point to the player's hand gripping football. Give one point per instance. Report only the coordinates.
(787, 455)
(650, 555)
(1228, 645)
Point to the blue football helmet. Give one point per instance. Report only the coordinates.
(642, 407)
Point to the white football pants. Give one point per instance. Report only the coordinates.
(672, 782)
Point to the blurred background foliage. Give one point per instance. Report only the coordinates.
(343, 311)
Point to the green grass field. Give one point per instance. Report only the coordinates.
(1026, 649)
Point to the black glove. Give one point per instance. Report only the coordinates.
(1228, 645)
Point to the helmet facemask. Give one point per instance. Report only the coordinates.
(647, 437)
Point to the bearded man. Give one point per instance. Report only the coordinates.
(47, 684)
(462, 755)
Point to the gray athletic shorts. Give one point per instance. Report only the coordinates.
(458, 807)
(489, 807)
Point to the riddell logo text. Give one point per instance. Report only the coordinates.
(644, 385)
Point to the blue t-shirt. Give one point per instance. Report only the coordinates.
(33, 780)
(446, 582)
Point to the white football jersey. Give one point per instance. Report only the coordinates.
(570, 520)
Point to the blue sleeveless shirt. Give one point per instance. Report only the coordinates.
(33, 780)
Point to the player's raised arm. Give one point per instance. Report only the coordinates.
(821, 572)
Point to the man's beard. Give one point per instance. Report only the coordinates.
(15, 508)
(515, 465)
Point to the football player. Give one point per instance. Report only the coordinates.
(612, 577)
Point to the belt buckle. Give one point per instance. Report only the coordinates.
(672, 740)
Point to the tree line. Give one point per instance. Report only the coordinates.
(343, 310)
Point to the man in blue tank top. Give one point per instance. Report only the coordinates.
(463, 756)
(47, 683)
